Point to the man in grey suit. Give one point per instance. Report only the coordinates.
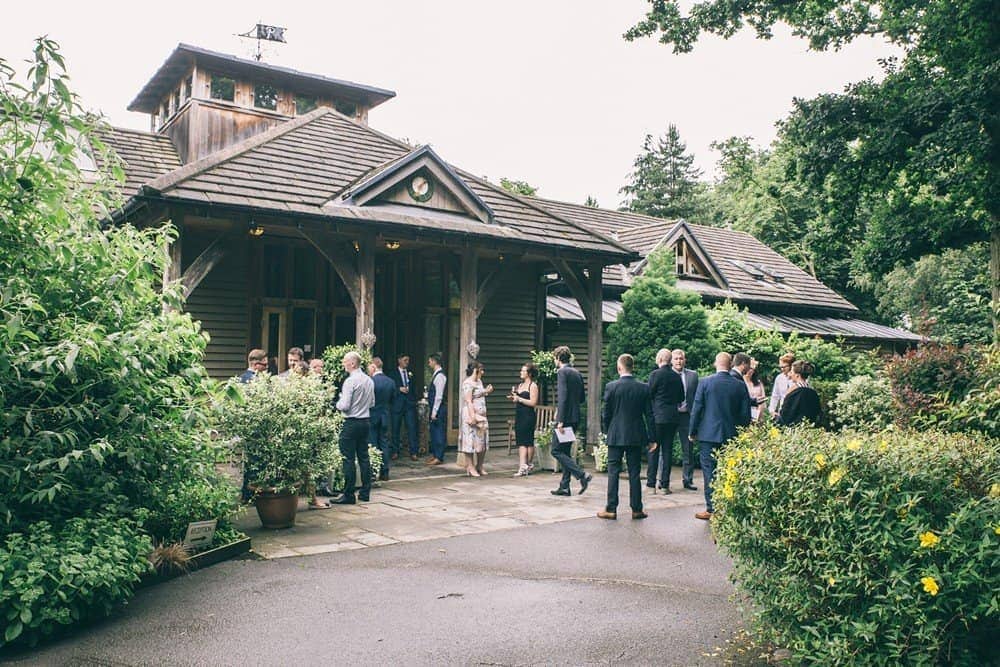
(689, 378)
(569, 396)
(628, 424)
(720, 405)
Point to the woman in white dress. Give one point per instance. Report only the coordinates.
(474, 438)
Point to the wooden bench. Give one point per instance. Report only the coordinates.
(543, 415)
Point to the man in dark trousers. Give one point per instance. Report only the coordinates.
(667, 393)
(689, 378)
(720, 405)
(569, 396)
(385, 391)
(404, 406)
(628, 424)
(437, 401)
(356, 400)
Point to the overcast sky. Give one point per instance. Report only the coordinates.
(545, 91)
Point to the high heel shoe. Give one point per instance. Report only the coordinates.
(471, 472)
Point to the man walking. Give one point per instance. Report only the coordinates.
(720, 405)
(667, 393)
(404, 407)
(628, 424)
(356, 401)
(569, 396)
(689, 378)
(436, 399)
(385, 391)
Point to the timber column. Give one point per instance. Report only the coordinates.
(469, 312)
(364, 309)
(595, 350)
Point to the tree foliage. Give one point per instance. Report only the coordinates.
(522, 188)
(664, 181)
(655, 314)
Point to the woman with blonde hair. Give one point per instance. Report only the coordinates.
(474, 436)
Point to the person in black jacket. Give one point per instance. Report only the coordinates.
(628, 424)
(801, 402)
(667, 393)
(569, 396)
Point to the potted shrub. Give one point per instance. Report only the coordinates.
(287, 432)
(543, 449)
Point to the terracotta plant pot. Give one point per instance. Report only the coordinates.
(277, 510)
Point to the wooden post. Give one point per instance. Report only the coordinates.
(172, 269)
(468, 285)
(595, 351)
(365, 307)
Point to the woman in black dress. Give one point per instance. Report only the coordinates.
(525, 397)
(801, 402)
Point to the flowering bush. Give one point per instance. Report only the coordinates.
(863, 403)
(601, 454)
(333, 356)
(286, 429)
(866, 549)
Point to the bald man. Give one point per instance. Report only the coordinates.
(721, 404)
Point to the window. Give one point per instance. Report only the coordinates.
(187, 88)
(265, 97)
(347, 108)
(304, 273)
(304, 104)
(175, 104)
(223, 88)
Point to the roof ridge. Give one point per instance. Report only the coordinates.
(115, 128)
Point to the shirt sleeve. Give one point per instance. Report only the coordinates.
(344, 402)
(439, 383)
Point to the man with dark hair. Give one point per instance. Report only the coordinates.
(666, 389)
(404, 407)
(689, 378)
(741, 364)
(628, 424)
(569, 396)
(437, 401)
(295, 357)
(721, 403)
(385, 391)
(256, 363)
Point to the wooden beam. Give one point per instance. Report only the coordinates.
(469, 289)
(172, 269)
(595, 350)
(364, 307)
(206, 261)
(575, 281)
(343, 261)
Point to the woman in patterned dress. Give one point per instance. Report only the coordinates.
(474, 436)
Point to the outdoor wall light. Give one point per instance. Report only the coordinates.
(392, 245)
(254, 229)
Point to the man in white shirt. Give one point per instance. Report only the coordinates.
(437, 400)
(782, 383)
(356, 401)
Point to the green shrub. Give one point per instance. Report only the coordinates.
(863, 403)
(333, 356)
(52, 578)
(866, 549)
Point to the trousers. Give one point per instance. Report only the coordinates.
(354, 447)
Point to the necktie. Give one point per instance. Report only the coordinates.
(406, 378)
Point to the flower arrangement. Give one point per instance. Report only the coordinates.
(601, 454)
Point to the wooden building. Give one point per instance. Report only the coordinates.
(299, 225)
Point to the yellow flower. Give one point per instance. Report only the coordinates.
(996, 530)
(854, 445)
(728, 492)
(830, 581)
(836, 475)
(958, 482)
(995, 490)
(930, 586)
(820, 461)
(928, 540)
(774, 433)
(883, 445)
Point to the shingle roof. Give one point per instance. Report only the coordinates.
(298, 165)
(145, 156)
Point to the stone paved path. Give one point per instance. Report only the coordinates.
(446, 504)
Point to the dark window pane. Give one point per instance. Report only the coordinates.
(275, 261)
(304, 104)
(341, 297)
(187, 88)
(273, 334)
(305, 274)
(265, 97)
(223, 88)
(343, 329)
(347, 108)
(303, 329)
(433, 283)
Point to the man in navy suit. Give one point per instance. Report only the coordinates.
(404, 406)
(385, 391)
(628, 424)
(720, 405)
(689, 378)
(667, 391)
(569, 396)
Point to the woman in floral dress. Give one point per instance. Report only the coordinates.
(474, 435)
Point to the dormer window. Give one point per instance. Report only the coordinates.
(223, 88)
(347, 108)
(304, 104)
(265, 97)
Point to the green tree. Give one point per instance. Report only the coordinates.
(591, 202)
(522, 188)
(913, 161)
(655, 314)
(664, 181)
(944, 297)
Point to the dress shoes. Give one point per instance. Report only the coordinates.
(383, 476)
(704, 516)
(435, 462)
(344, 500)
(414, 457)
(665, 490)
(690, 487)
(560, 492)
(584, 483)
(394, 457)
(604, 514)
(639, 515)
(364, 498)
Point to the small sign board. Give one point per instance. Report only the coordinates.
(199, 534)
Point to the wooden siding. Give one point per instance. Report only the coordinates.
(506, 337)
(221, 303)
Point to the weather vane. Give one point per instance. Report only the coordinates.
(264, 33)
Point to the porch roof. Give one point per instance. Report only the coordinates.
(299, 165)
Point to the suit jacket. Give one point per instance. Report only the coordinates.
(628, 413)
(720, 405)
(667, 391)
(691, 382)
(800, 404)
(569, 395)
(400, 399)
(385, 393)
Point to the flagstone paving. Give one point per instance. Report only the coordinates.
(447, 503)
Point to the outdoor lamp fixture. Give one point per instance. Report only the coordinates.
(392, 245)
(254, 229)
